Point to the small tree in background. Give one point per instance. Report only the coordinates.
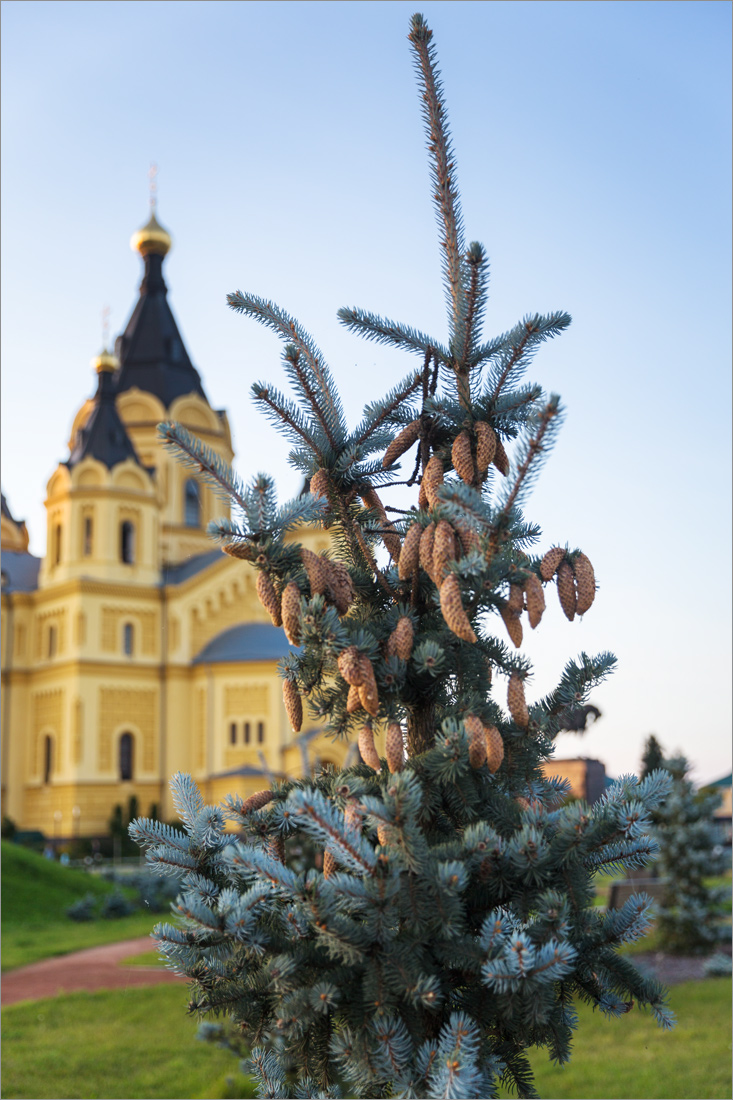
(451, 926)
(690, 913)
(653, 757)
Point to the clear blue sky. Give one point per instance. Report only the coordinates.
(593, 152)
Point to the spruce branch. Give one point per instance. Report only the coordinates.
(284, 413)
(373, 327)
(202, 460)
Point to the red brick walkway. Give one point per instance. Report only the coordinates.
(94, 968)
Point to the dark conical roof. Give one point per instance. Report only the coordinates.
(104, 436)
(152, 354)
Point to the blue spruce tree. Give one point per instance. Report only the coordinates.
(451, 926)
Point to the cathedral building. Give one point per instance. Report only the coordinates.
(135, 648)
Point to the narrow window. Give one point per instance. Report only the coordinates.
(128, 639)
(260, 732)
(52, 641)
(127, 542)
(233, 733)
(57, 544)
(191, 503)
(88, 532)
(246, 733)
(47, 760)
(126, 754)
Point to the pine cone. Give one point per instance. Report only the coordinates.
(255, 802)
(290, 609)
(276, 846)
(485, 446)
(410, 556)
(427, 540)
(329, 864)
(462, 457)
(586, 583)
(368, 692)
(382, 835)
(513, 624)
(516, 701)
(476, 740)
(349, 662)
(320, 483)
(535, 599)
(453, 610)
(245, 551)
(353, 702)
(522, 803)
(468, 535)
(399, 643)
(317, 569)
(515, 602)
(494, 748)
(268, 597)
(566, 589)
(422, 499)
(432, 479)
(366, 747)
(444, 550)
(293, 704)
(393, 747)
(401, 443)
(390, 538)
(340, 586)
(352, 817)
(501, 458)
(550, 562)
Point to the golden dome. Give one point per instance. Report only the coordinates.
(105, 361)
(151, 238)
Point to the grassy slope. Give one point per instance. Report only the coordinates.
(36, 893)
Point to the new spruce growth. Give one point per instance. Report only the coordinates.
(451, 926)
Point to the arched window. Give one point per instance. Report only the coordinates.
(127, 542)
(191, 503)
(47, 759)
(52, 641)
(260, 732)
(232, 733)
(57, 544)
(128, 639)
(127, 746)
(88, 536)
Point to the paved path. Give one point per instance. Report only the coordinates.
(94, 968)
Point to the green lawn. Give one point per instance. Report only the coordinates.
(122, 1043)
(36, 893)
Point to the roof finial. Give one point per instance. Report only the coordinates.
(152, 174)
(105, 327)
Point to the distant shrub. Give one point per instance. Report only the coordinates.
(83, 909)
(116, 905)
(718, 966)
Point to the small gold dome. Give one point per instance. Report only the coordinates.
(105, 361)
(151, 238)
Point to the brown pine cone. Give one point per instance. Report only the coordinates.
(427, 540)
(586, 583)
(317, 569)
(394, 748)
(352, 817)
(290, 609)
(368, 692)
(389, 536)
(410, 556)
(535, 599)
(462, 458)
(329, 864)
(276, 847)
(476, 740)
(516, 701)
(340, 586)
(444, 550)
(382, 835)
(515, 602)
(293, 704)
(349, 662)
(255, 802)
(401, 443)
(494, 748)
(320, 483)
(399, 643)
(245, 551)
(367, 749)
(269, 597)
(566, 591)
(422, 499)
(432, 479)
(453, 610)
(550, 562)
(522, 803)
(468, 535)
(353, 702)
(513, 624)
(501, 458)
(485, 446)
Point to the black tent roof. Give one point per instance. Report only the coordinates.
(104, 436)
